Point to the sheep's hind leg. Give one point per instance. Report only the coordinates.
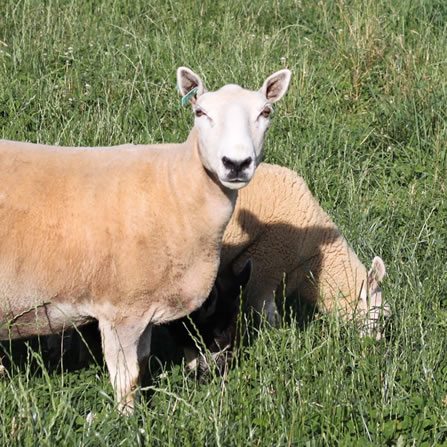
(126, 348)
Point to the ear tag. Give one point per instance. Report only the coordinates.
(189, 95)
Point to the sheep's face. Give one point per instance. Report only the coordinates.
(231, 124)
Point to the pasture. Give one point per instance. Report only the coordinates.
(364, 122)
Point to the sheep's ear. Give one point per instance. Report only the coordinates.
(276, 85)
(187, 80)
(376, 274)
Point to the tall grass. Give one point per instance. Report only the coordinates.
(364, 122)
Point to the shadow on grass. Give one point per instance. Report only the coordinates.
(80, 348)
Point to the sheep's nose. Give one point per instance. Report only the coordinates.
(236, 166)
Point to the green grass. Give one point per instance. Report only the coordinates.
(364, 122)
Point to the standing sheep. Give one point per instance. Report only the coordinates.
(128, 235)
(278, 224)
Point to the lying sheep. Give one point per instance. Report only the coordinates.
(279, 225)
(128, 235)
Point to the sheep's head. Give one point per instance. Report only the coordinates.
(214, 323)
(231, 123)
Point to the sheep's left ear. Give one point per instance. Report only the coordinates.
(376, 273)
(276, 85)
(187, 80)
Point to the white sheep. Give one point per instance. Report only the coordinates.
(279, 225)
(128, 235)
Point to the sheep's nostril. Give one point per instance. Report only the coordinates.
(229, 164)
(236, 166)
(246, 163)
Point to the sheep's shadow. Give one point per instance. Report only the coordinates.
(279, 246)
(78, 349)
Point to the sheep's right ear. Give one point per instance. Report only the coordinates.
(187, 80)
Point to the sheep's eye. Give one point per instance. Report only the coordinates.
(266, 112)
(199, 113)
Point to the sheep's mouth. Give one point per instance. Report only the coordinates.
(235, 183)
(237, 180)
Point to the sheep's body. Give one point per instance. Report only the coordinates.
(83, 236)
(74, 233)
(127, 235)
(279, 225)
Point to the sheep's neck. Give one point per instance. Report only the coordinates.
(204, 189)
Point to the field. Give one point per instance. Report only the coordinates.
(364, 122)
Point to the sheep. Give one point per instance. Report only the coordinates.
(279, 225)
(127, 235)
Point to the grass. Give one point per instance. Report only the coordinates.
(364, 122)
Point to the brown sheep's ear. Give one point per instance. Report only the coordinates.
(189, 84)
(276, 85)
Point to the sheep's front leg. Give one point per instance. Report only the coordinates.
(126, 347)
